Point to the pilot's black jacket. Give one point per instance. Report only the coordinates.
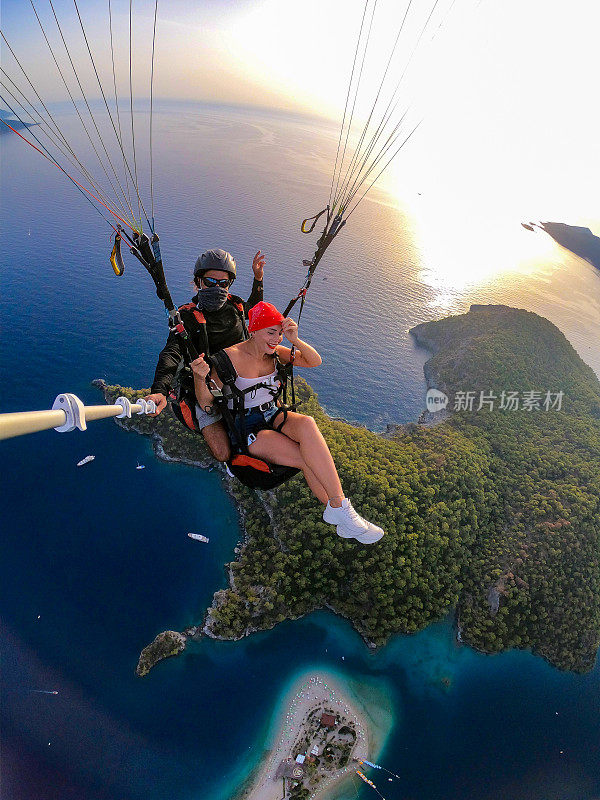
(223, 328)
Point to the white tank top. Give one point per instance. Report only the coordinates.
(261, 395)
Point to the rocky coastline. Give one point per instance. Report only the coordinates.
(464, 536)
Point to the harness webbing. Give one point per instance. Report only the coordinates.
(232, 393)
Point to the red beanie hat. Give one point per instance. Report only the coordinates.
(263, 315)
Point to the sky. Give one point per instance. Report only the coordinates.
(506, 89)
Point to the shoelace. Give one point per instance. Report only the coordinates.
(352, 513)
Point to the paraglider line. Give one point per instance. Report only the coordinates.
(131, 107)
(50, 133)
(101, 140)
(106, 104)
(358, 181)
(384, 168)
(56, 164)
(364, 55)
(151, 109)
(47, 110)
(120, 137)
(352, 166)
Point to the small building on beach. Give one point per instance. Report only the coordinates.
(327, 720)
(289, 769)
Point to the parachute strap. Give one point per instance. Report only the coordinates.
(314, 221)
(224, 367)
(239, 306)
(116, 259)
(228, 374)
(198, 315)
(331, 230)
(284, 410)
(256, 473)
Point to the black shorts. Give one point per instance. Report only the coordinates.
(258, 418)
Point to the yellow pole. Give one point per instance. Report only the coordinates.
(19, 423)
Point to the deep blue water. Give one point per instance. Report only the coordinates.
(101, 553)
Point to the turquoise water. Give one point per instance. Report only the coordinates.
(101, 555)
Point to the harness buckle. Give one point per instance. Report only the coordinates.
(262, 407)
(174, 318)
(214, 389)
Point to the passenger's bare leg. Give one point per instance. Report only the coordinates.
(277, 448)
(217, 440)
(315, 453)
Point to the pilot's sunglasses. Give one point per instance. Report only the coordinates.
(224, 283)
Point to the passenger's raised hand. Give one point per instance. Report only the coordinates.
(290, 330)
(199, 367)
(258, 266)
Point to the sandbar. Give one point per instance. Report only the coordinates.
(362, 706)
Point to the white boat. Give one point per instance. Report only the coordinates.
(141, 466)
(198, 537)
(85, 460)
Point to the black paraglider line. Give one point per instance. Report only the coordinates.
(49, 133)
(91, 115)
(111, 205)
(395, 133)
(352, 165)
(108, 109)
(361, 160)
(100, 192)
(44, 122)
(358, 181)
(346, 103)
(418, 125)
(110, 116)
(354, 101)
(392, 136)
(131, 109)
(120, 137)
(51, 158)
(151, 110)
(389, 142)
(342, 201)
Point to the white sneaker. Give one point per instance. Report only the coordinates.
(350, 525)
(372, 535)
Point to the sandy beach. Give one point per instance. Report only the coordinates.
(311, 691)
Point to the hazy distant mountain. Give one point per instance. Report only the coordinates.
(580, 241)
(14, 123)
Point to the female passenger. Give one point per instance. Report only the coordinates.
(293, 440)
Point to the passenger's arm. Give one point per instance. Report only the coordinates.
(305, 355)
(200, 371)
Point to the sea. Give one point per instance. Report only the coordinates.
(96, 561)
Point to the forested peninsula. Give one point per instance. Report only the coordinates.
(575, 238)
(493, 512)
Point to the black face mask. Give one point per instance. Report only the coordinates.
(211, 298)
